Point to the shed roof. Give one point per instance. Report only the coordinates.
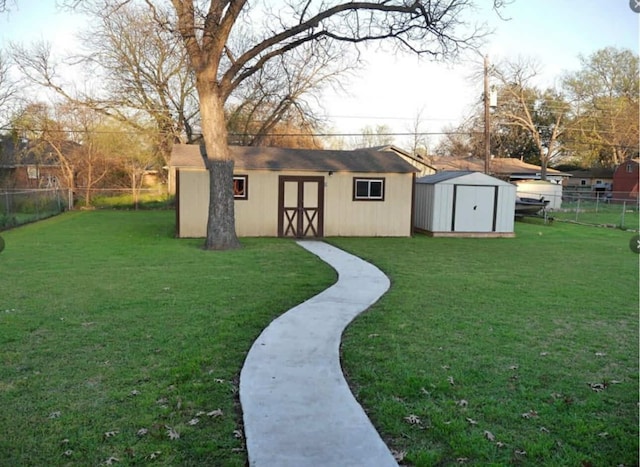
(466, 176)
(317, 160)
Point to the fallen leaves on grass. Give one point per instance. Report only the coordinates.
(451, 382)
(55, 414)
(513, 367)
(171, 433)
(471, 421)
(412, 419)
(110, 434)
(398, 455)
(462, 460)
(112, 460)
(193, 421)
(462, 403)
(490, 436)
(597, 387)
(520, 452)
(142, 432)
(238, 434)
(543, 430)
(68, 453)
(530, 414)
(134, 393)
(500, 444)
(154, 455)
(215, 413)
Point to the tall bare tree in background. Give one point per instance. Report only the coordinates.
(8, 89)
(228, 42)
(540, 114)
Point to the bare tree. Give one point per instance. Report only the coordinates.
(541, 113)
(418, 142)
(230, 41)
(8, 89)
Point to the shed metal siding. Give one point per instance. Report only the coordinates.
(464, 203)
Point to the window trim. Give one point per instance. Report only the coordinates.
(245, 179)
(382, 181)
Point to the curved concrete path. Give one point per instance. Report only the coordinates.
(297, 407)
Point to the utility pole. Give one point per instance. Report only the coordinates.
(487, 118)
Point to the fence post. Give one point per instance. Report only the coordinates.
(624, 208)
(577, 208)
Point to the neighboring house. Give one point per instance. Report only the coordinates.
(597, 179)
(300, 192)
(506, 168)
(625, 180)
(21, 167)
(464, 204)
(419, 162)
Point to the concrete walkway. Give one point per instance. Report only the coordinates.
(297, 407)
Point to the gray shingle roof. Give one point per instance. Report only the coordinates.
(316, 160)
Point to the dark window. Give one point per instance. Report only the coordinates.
(629, 168)
(240, 186)
(368, 189)
(583, 182)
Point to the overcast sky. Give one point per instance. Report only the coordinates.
(392, 89)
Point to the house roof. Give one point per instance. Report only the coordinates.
(316, 160)
(19, 153)
(417, 158)
(498, 165)
(474, 178)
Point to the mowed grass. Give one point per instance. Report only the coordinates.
(502, 351)
(121, 344)
(116, 338)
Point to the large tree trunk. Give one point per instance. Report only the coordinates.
(221, 229)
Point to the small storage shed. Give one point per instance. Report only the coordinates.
(464, 204)
(281, 192)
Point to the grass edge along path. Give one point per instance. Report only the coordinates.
(121, 344)
(502, 351)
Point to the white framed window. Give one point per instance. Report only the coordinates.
(368, 189)
(241, 187)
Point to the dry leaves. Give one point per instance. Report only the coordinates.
(142, 431)
(462, 403)
(154, 455)
(450, 379)
(171, 433)
(112, 460)
(215, 413)
(238, 434)
(412, 419)
(193, 421)
(530, 414)
(55, 414)
(597, 387)
(110, 434)
(490, 436)
(472, 421)
(398, 455)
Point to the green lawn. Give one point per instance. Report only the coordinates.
(116, 338)
(110, 326)
(484, 350)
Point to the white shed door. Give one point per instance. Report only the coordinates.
(474, 208)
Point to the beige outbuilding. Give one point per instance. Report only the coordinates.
(281, 192)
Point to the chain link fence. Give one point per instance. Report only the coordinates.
(598, 208)
(18, 207)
